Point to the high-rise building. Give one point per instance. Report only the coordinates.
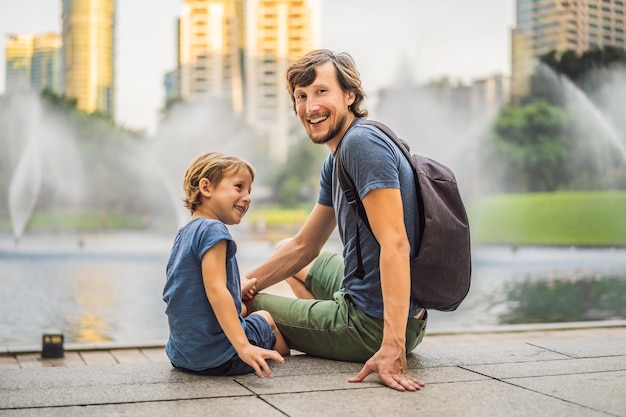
(46, 63)
(89, 54)
(546, 25)
(210, 50)
(33, 61)
(18, 57)
(240, 51)
(277, 33)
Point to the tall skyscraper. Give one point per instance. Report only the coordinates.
(33, 61)
(46, 63)
(546, 25)
(277, 33)
(18, 57)
(210, 50)
(89, 54)
(240, 50)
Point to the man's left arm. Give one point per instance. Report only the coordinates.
(386, 218)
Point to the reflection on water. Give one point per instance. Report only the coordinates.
(566, 299)
(539, 285)
(109, 288)
(94, 295)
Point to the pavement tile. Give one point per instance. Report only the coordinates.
(234, 406)
(156, 354)
(600, 390)
(129, 356)
(32, 360)
(587, 348)
(98, 357)
(468, 399)
(8, 362)
(310, 365)
(462, 355)
(339, 380)
(70, 359)
(108, 384)
(545, 368)
(582, 376)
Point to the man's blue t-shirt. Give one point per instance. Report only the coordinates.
(196, 340)
(373, 161)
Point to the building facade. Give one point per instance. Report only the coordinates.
(18, 59)
(88, 57)
(239, 50)
(46, 63)
(277, 33)
(210, 51)
(34, 62)
(546, 25)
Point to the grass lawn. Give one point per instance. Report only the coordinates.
(559, 218)
(592, 218)
(273, 217)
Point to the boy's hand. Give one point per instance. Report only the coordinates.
(256, 357)
(248, 288)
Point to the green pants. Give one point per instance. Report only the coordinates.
(331, 326)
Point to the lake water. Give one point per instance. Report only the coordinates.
(107, 288)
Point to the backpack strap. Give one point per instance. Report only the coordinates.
(352, 195)
(406, 151)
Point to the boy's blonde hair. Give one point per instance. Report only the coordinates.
(213, 166)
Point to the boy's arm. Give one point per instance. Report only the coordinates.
(299, 251)
(214, 278)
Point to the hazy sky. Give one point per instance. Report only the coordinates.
(462, 39)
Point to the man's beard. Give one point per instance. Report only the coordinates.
(334, 131)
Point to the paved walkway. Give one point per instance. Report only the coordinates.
(539, 371)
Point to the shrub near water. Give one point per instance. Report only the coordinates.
(559, 218)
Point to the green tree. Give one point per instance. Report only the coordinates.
(580, 68)
(531, 141)
(297, 180)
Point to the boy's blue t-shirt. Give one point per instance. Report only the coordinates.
(373, 161)
(196, 340)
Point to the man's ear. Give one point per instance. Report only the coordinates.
(351, 98)
(205, 187)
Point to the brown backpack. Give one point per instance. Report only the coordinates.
(441, 271)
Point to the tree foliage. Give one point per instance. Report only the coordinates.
(554, 138)
(577, 67)
(296, 181)
(531, 141)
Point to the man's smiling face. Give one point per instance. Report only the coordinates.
(323, 107)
